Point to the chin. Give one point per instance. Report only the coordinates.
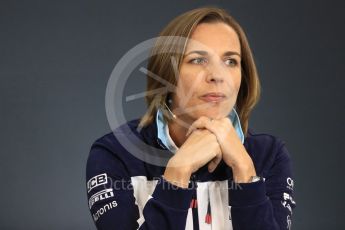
(212, 110)
(212, 113)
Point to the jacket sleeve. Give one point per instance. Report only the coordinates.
(266, 204)
(112, 203)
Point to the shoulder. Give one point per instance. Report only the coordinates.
(263, 140)
(117, 141)
(266, 150)
(113, 138)
(110, 149)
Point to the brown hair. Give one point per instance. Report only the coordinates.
(167, 46)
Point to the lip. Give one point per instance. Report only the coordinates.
(213, 97)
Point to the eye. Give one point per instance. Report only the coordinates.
(198, 61)
(231, 62)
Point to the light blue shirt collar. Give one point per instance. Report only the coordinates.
(164, 136)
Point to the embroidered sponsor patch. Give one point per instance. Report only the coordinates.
(97, 181)
(287, 197)
(288, 221)
(287, 205)
(101, 195)
(104, 210)
(289, 182)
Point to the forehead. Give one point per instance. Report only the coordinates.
(217, 37)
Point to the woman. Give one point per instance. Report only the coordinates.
(220, 175)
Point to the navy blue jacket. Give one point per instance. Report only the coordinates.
(125, 192)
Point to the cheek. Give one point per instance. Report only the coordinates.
(188, 82)
(233, 83)
(238, 83)
(237, 80)
(183, 88)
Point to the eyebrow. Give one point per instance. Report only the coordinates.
(202, 52)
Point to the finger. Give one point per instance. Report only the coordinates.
(202, 122)
(196, 124)
(214, 163)
(226, 123)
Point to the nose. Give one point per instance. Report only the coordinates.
(215, 73)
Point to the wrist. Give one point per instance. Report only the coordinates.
(243, 173)
(178, 176)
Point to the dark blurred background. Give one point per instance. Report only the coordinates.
(57, 56)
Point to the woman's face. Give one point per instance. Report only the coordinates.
(211, 64)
